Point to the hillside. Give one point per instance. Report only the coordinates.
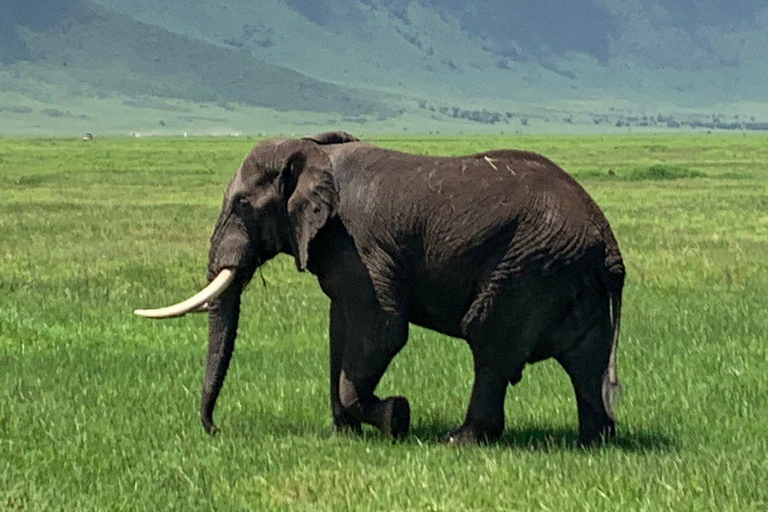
(655, 51)
(415, 51)
(53, 51)
(293, 65)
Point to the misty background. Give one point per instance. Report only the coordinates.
(401, 66)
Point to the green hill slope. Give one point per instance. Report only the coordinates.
(77, 49)
(697, 54)
(415, 52)
(418, 65)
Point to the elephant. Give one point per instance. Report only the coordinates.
(503, 249)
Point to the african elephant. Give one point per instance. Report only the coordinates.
(502, 249)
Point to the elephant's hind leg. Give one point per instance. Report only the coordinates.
(585, 364)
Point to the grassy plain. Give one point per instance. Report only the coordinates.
(98, 408)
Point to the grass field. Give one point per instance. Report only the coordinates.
(98, 408)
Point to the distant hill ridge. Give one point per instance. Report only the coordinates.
(420, 62)
(680, 50)
(109, 52)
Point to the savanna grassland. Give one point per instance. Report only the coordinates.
(98, 407)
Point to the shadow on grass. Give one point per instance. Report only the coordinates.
(535, 438)
(527, 437)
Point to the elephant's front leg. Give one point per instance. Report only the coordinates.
(373, 338)
(342, 420)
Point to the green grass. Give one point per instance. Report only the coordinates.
(98, 407)
(656, 172)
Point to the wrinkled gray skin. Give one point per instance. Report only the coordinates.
(502, 249)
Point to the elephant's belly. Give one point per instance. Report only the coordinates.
(439, 310)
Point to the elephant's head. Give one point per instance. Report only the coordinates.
(278, 200)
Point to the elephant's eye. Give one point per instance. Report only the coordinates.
(241, 204)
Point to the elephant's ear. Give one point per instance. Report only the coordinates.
(313, 197)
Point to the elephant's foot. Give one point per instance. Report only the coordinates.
(392, 416)
(472, 434)
(593, 434)
(345, 424)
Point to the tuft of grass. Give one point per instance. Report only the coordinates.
(655, 172)
(98, 408)
(659, 172)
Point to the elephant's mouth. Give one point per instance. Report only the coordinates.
(198, 303)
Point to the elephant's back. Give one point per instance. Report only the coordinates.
(444, 207)
(506, 176)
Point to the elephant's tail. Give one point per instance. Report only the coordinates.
(613, 277)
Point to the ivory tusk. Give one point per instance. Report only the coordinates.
(196, 303)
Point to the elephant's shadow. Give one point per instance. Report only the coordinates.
(543, 438)
(531, 437)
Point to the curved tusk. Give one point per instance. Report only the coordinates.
(196, 303)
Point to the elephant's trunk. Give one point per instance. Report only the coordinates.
(223, 316)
